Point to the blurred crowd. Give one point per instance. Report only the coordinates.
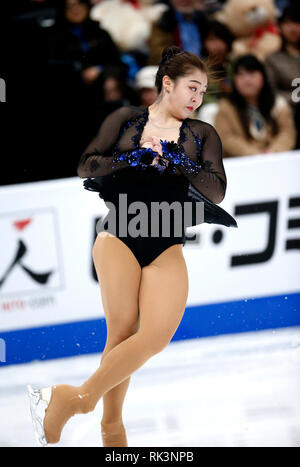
(75, 61)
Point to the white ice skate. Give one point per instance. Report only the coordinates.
(37, 409)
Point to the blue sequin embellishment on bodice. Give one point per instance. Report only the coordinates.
(173, 154)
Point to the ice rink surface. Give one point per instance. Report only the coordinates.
(237, 390)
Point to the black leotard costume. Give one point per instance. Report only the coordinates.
(114, 163)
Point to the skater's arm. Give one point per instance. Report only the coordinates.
(204, 168)
(99, 159)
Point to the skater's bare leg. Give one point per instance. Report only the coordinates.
(162, 299)
(160, 315)
(112, 427)
(119, 276)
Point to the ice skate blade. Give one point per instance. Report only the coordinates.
(36, 396)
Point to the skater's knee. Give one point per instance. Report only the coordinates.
(153, 343)
(120, 332)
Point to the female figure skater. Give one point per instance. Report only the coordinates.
(158, 153)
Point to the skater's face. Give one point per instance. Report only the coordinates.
(185, 94)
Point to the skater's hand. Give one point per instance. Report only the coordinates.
(155, 145)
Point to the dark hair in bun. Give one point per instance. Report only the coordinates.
(176, 63)
(169, 52)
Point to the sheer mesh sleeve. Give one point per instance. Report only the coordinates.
(204, 170)
(98, 158)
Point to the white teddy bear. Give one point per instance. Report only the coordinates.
(128, 23)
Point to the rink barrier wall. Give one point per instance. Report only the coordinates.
(85, 337)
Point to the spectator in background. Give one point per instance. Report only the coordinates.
(284, 66)
(184, 25)
(253, 120)
(145, 85)
(79, 47)
(78, 50)
(217, 45)
(113, 91)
